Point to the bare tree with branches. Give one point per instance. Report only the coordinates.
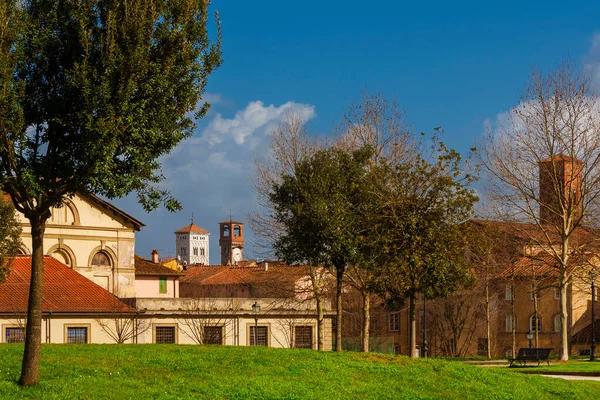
(123, 325)
(543, 168)
(202, 314)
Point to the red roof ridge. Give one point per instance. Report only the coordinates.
(192, 228)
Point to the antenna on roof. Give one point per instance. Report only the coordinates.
(230, 216)
(192, 218)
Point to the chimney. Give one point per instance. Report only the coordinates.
(155, 256)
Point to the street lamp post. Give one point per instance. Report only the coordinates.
(255, 310)
(530, 338)
(593, 346)
(425, 326)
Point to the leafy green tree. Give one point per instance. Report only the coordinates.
(320, 208)
(92, 93)
(10, 236)
(417, 245)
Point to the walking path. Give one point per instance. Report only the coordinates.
(574, 377)
(571, 377)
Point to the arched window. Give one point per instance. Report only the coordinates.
(226, 230)
(237, 230)
(508, 323)
(532, 322)
(557, 323)
(62, 256)
(101, 259)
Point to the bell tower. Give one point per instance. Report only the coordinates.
(231, 240)
(192, 244)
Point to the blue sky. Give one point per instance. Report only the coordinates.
(452, 64)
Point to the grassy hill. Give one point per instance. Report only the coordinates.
(176, 372)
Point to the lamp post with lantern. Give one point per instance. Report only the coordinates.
(255, 310)
(530, 338)
(593, 277)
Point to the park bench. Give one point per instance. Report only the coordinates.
(530, 354)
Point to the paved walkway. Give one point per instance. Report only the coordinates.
(574, 377)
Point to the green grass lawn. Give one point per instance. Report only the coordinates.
(175, 372)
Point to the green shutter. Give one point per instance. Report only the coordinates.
(162, 285)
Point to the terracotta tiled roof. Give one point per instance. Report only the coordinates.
(527, 233)
(231, 222)
(145, 267)
(543, 264)
(191, 228)
(277, 280)
(65, 290)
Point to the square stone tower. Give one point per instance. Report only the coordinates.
(192, 244)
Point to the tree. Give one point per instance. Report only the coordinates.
(91, 95)
(454, 322)
(10, 236)
(289, 142)
(380, 124)
(542, 170)
(320, 209)
(205, 317)
(490, 252)
(123, 324)
(418, 245)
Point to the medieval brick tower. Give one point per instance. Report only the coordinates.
(231, 241)
(560, 189)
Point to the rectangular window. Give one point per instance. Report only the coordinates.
(14, 335)
(164, 335)
(394, 322)
(303, 337)
(508, 292)
(396, 348)
(556, 293)
(262, 335)
(201, 252)
(213, 335)
(482, 346)
(162, 285)
(77, 334)
(195, 251)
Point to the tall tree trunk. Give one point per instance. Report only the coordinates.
(366, 321)
(33, 330)
(513, 328)
(413, 327)
(564, 337)
(338, 295)
(487, 318)
(320, 330)
(535, 315)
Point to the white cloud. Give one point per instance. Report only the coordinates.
(245, 122)
(210, 173)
